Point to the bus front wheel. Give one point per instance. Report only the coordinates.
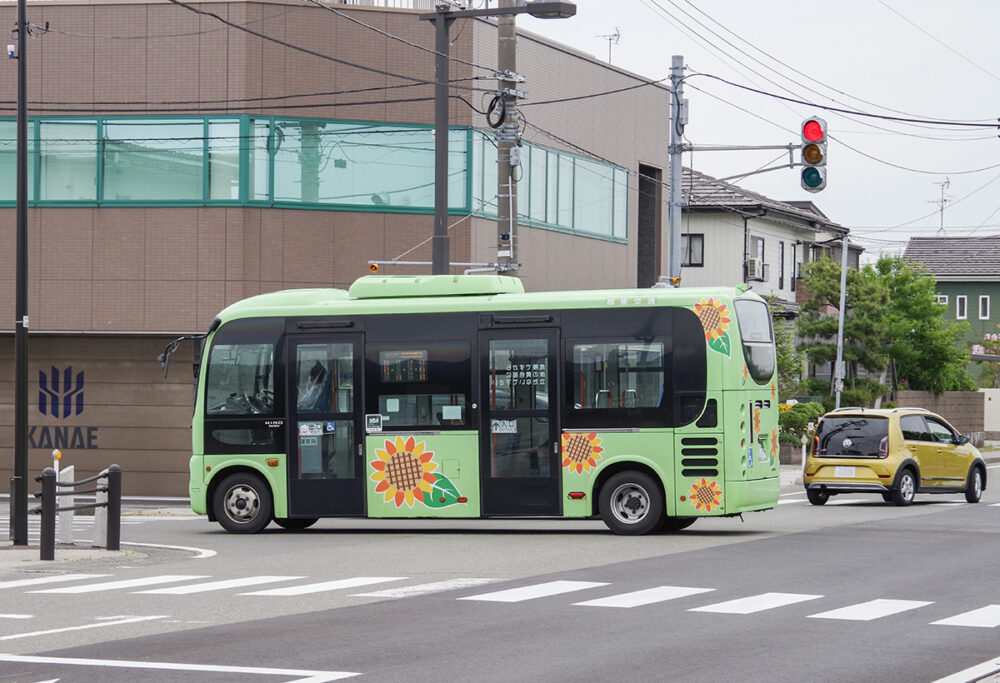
(242, 503)
(631, 504)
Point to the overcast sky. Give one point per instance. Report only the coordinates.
(923, 59)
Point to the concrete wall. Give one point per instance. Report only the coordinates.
(963, 409)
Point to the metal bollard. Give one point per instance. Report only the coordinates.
(47, 544)
(114, 507)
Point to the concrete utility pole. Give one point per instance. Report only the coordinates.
(508, 135)
(19, 484)
(678, 117)
(838, 372)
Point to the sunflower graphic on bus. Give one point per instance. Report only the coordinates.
(581, 452)
(405, 473)
(715, 320)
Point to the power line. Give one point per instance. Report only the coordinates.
(851, 112)
(937, 40)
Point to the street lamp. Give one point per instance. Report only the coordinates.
(442, 18)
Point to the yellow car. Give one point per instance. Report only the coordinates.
(896, 452)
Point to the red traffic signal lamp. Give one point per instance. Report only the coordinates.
(814, 133)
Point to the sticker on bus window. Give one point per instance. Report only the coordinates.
(310, 428)
(373, 423)
(503, 426)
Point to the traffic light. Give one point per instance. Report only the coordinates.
(813, 176)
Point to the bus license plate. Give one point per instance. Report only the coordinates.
(843, 471)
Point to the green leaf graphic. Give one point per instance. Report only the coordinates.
(444, 493)
(720, 344)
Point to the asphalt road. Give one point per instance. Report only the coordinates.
(854, 590)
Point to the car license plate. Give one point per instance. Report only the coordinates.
(844, 471)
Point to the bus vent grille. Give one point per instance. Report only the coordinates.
(700, 462)
(699, 441)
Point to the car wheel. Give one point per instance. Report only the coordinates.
(974, 491)
(905, 489)
(295, 523)
(242, 503)
(631, 504)
(677, 523)
(817, 496)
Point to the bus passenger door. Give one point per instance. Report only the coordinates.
(519, 435)
(325, 463)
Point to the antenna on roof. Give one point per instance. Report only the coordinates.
(941, 202)
(612, 38)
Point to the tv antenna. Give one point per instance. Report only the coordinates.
(941, 202)
(613, 39)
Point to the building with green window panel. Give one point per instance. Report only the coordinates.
(185, 156)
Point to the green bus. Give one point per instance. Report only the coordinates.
(463, 396)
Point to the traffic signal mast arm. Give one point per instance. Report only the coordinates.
(791, 147)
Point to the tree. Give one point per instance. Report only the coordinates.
(865, 333)
(789, 358)
(928, 352)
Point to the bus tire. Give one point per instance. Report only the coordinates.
(242, 503)
(631, 504)
(295, 523)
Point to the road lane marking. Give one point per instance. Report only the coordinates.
(339, 584)
(16, 616)
(973, 673)
(645, 597)
(201, 553)
(539, 590)
(48, 579)
(756, 603)
(308, 676)
(984, 617)
(102, 624)
(425, 588)
(217, 585)
(127, 583)
(873, 609)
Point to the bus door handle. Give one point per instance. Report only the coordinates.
(555, 447)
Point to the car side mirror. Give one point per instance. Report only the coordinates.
(962, 439)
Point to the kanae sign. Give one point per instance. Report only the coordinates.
(60, 395)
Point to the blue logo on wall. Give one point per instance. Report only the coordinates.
(60, 394)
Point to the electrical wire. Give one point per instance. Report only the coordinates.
(398, 38)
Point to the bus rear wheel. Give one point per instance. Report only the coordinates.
(242, 503)
(631, 504)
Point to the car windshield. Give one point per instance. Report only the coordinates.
(851, 436)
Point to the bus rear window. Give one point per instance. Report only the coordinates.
(758, 341)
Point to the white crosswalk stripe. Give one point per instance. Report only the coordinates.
(644, 597)
(873, 609)
(128, 583)
(218, 585)
(324, 586)
(539, 590)
(984, 617)
(756, 603)
(425, 588)
(20, 583)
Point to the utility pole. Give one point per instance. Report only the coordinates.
(838, 371)
(508, 135)
(19, 484)
(678, 117)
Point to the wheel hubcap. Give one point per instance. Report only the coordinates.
(629, 503)
(977, 483)
(906, 487)
(241, 503)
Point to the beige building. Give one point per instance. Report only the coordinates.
(186, 155)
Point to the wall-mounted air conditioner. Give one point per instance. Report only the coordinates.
(755, 269)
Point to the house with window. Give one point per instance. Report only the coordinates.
(967, 275)
(732, 235)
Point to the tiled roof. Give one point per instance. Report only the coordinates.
(701, 191)
(956, 256)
